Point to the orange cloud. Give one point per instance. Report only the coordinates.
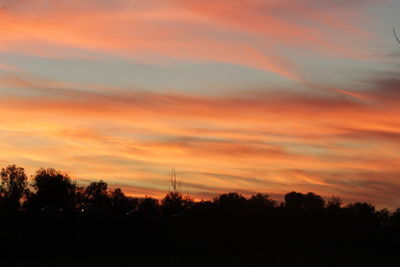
(327, 139)
(251, 141)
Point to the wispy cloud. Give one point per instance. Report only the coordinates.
(322, 133)
(250, 33)
(285, 139)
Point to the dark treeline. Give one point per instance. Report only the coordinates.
(49, 218)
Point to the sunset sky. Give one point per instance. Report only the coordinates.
(249, 96)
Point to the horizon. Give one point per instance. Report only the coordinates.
(239, 96)
(161, 195)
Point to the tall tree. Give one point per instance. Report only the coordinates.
(14, 184)
(174, 202)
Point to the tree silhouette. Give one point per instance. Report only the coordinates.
(174, 202)
(395, 218)
(120, 203)
(230, 223)
(80, 198)
(334, 203)
(262, 201)
(231, 207)
(53, 191)
(149, 206)
(395, 35)
(362, 212)
(230, 200)
(97, 196)
(295, 201)
(313, 202)
(383, 216)
(14, 186)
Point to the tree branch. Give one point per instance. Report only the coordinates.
(395, 35)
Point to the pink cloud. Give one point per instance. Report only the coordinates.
(249, 33)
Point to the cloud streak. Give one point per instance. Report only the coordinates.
(286, 140)
(250, 33)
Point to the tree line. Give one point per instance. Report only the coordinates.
(55, 214)
(51, 190)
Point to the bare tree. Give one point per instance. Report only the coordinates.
(176, 185)
(395, 35)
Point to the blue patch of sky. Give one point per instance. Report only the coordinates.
(203, 78)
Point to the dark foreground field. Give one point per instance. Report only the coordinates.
(212, 261)
(53, 222)
(138, 240)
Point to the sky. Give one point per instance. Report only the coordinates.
(249, 96)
